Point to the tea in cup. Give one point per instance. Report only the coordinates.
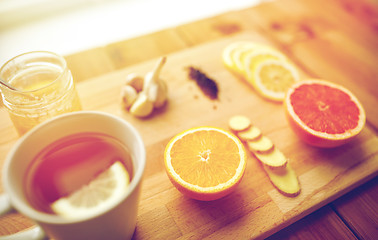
(78, 176)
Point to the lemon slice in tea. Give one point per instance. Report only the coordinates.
(103, 191)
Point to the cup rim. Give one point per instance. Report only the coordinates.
(39, 216)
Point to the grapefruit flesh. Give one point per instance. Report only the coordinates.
(324, 114)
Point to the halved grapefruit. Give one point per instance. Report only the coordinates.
(323, 114)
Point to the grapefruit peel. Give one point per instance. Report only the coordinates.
(317, 138)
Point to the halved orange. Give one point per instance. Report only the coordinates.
(205, 163)
(324, 114)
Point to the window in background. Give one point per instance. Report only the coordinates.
(15, 12)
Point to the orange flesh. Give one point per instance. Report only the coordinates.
(205, 159)
(325, 109)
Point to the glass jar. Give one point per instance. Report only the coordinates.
(41, 87)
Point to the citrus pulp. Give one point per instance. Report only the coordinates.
(102, 192)
(324, 114)
(205, 163)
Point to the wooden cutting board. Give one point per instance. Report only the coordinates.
(255, 209)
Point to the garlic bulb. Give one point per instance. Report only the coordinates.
(142, 95)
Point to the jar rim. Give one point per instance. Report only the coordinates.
(46, 53)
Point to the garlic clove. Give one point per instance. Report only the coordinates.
(142, 107)
(135, 81)
(152, 91)
(129, 95)
(162, 94)
(148, 81)
(153, 76)
(156, 91)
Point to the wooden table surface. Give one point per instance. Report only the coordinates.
(330, 39)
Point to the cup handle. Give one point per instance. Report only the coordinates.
(36, 233)
(5, 205)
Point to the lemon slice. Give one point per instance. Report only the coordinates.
(272, 78)
(104, 191)
(250, 52)
(232, 49)
(253, 59)
(240, 54)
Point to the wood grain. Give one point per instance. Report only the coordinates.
(325, 219)
(359, 209)
(323, 46)
(139, 49)
(255, 209)
(96, 60)
(337, 43)
(206, 30)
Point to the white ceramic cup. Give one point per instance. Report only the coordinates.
(116, 222)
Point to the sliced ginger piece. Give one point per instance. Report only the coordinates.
(274, 158)
(239, 123)
(251, 133)
(260, 145)
(284, 179)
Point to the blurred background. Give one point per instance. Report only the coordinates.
(68, 26)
